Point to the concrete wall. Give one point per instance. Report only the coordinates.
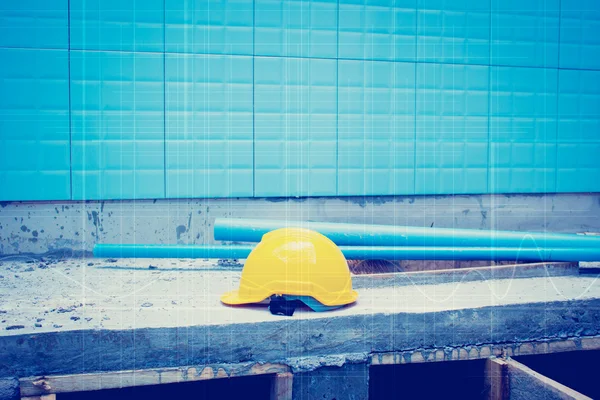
(76, 226)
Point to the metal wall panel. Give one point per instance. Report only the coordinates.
(453, 31)
(525, 33)
(209, 129)
(376, 128)
(377, 29)
(452, 129)
(220, 98)
(523, 130)
(40, 24)
(117, 125)
(580, 34)
(295, 125)
(118, 25)
(209, 26)
(578, 161)
(34, 125)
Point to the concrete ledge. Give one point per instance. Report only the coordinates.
(308, 340)
(74, 318)
(512, 271)
(41, 227)
(481, 351)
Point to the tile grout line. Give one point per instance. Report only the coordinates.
(414, 191)
(557, 112)
(164, 54)
(70, 102)
(489, 110)
(337, 102)
(300, 57)
(253, 99)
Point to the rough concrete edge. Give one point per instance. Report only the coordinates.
(9, 389)
(474, 352)
(43, 384)
(517, 271)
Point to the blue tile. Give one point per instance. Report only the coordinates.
(125, 25)
(377, 29)
(453, 31)
(40, 24)
(376, 128)
(523, 129)
(296, 28)
(525, 33)
(578, 136)
(580, 34)
(452, 129)
(295, 126)
(209, 126)
(34, 127)
(117, 122)
(209, 26)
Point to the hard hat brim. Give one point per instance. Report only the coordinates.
(233, 298)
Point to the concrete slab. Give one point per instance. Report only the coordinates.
(113, 316)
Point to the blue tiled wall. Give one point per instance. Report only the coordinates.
(131, 99)
(209, 125)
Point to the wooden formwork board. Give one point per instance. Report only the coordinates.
(37, 387)
(509, 379)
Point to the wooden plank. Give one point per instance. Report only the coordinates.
(496, 384)
(525, 383)
(36, 386)
(42, 397)
(589, 267)
(281, 387)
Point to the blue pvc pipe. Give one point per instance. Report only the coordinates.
(359, 252)
(252, 230)
(170, 251)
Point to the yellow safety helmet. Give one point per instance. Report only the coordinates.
(296, 263)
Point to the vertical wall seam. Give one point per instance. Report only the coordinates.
(337, 102)
(253, 99)
(489, 113)
(416, 64)
(557, 115)
(70, 105)
(164, 53)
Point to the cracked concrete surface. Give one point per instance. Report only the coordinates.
(87, 293)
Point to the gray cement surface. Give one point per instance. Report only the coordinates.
(76, 226)
(72, 317)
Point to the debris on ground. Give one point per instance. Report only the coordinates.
(13, 327)
(62, 310)
(229, 263)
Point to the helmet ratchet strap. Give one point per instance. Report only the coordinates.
(279, 305)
